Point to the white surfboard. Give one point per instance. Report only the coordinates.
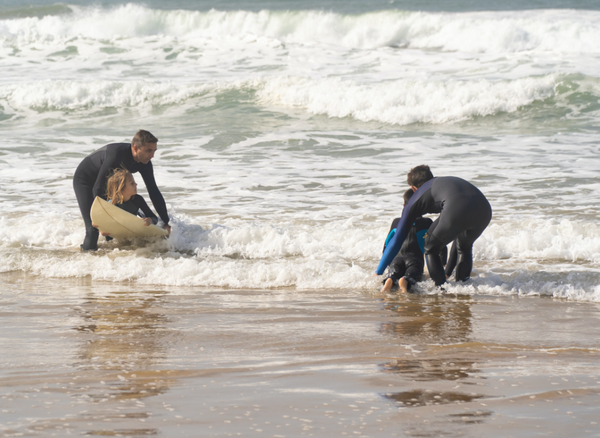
(120, 224)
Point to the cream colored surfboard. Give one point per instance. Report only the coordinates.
(120, 224)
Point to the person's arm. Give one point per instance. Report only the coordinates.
(141, 204)
(155, 196)
(420, 203)
(416, 206)
(391, 232)
(394, 245)
(110, 157)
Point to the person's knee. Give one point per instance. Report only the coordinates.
(433, 245)
(464, 250)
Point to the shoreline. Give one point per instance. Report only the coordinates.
(281, 363)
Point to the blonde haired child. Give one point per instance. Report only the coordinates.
(121, 190)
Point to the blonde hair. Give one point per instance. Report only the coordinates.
(116, 185)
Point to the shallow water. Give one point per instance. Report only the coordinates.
(286, 130)
(99, 359)
(285, 134)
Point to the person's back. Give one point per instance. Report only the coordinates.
(446, 193)
(464, 214)
(414, 244)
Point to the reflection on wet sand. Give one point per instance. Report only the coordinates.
(85, 360)
(124, 334)
(431, 369)
(423, 323)
(425, 398)
(429, 320)
(476, 417)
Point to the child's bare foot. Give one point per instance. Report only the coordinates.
(387, 287)
(403, 285)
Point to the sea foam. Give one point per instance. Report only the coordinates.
(564, 31)
(407, 101)
(398, 102)
(334, 255)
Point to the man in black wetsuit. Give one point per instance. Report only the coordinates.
(464, 214)
(89, 180)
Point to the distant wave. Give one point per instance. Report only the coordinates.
(71, 95)
(407, 101)
(399, 102)
(564, 31)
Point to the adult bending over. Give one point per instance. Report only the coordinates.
(464, 214)
(89, 180)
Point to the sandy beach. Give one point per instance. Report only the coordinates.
(286, 130)
(83, 358)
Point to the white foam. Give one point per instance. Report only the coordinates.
(72, 95)
(270, 176)
(398, 102)
(539, 240)
(322, 62)
(565, 31)
(334, 255)
(407, 101)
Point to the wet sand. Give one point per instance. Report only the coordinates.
(83, 358)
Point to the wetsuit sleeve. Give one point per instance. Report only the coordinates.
(157, 198)
(108, 164)
(391, 232)
(142, 205)
(394, 245)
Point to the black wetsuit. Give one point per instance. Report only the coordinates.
(137, 203)
(90, 177)
(409, 262)
(464, 214)
(452, 259)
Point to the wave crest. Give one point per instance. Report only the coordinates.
(398, 102)
(546, 30)
(407, 101)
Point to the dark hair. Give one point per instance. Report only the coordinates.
(407, 195)
(419, 175)
(143, 137)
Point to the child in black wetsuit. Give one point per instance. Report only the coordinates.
(407, 267)
(121, 190)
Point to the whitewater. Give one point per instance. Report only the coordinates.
(286, 129)
(285, 137)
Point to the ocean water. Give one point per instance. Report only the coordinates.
(287, 128)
